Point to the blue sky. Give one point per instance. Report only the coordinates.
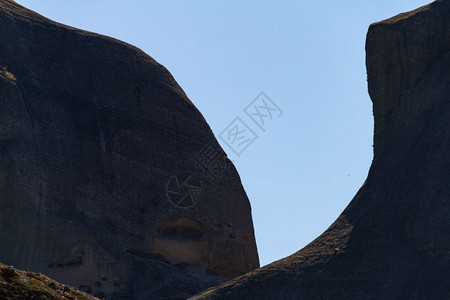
(307, 56)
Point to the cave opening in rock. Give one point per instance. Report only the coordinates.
(182, 232)
(181, 241)
(183, 228)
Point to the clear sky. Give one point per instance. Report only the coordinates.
(307, 56)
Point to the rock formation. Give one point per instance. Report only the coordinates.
(393, 240)
(111, 181)
(16, 284)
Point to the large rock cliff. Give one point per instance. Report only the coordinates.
(111, 181)
(393, 240)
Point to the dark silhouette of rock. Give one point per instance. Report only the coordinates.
(17, 284)
(393, 240)
(111, 180)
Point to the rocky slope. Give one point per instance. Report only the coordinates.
(16, 284)
(111, 181)
(393, 240)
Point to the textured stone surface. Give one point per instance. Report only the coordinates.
(392, 241)
(17, 284)
(91, 132)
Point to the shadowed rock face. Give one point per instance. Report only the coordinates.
(96, 141)
(392, 241)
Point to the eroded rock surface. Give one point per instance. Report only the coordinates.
(392, 241)
(102, 169)
(17, 284)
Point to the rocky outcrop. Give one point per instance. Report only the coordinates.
(392, 241)
(111, 181)
(17, 284)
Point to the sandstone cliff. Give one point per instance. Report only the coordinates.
(393, 240)
(111, 181)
